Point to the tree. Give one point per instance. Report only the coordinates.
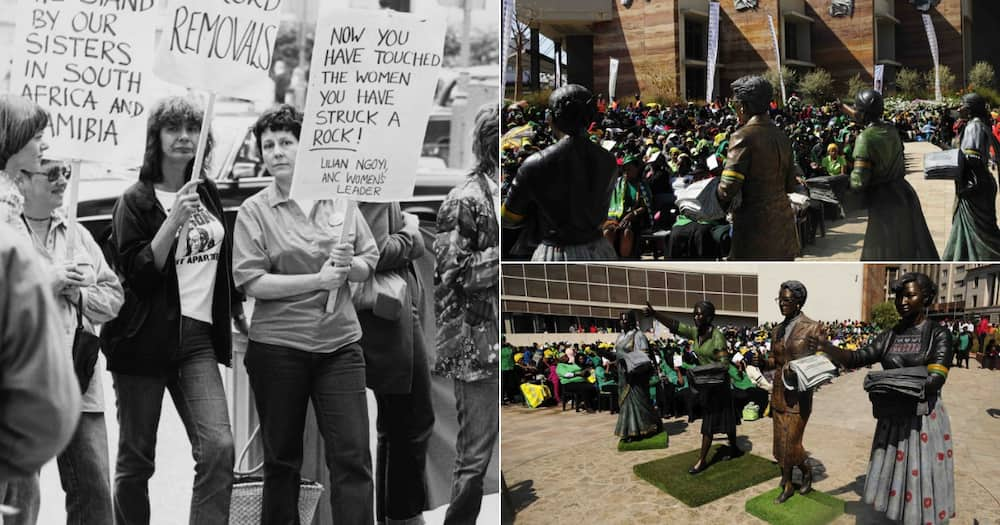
(817, 86)
(519, 39)
(482, 48)
(660, 85)
(982, 75)
(909, 83)
(948, 81)
(884, 315)
(854, 85)
(790, 77)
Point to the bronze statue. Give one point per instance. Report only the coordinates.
(896, 228)
(759, 163)
(919, 438)
(566, 188)
(790, 409)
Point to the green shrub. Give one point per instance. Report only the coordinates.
(948, 81)
(909, 83)
(791, 79)
(817, 86)
(991, 95)
(982, 75)
(884, 315)
(854, 85)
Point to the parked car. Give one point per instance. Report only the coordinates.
(239, 173)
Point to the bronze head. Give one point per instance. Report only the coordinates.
(868, 106)
(914, 293)
(791, 298)
(704, 314)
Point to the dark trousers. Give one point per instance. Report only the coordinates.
(584, 389)
(196, 389)
(478, 414)
(83, 472)
(284, 380)
(742, 397)
(511, 380)
(404, 425)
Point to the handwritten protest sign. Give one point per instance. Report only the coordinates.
(221, 46)
(88, 63)
(370, 94)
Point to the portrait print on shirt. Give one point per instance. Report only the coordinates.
(201, 239)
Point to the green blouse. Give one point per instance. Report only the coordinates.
(742, 384)
(563, 368)
(706, 351)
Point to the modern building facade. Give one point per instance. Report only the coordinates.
(538, 298)
(662, 46)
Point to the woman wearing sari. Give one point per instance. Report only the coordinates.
(637, 419)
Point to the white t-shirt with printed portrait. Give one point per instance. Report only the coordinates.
(199, 244)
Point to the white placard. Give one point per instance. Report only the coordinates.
(713, 49)
(678, 360)
(221, 46)
(879, 76)
(612, 77)
(369, 97)
(932, 40)
(89, 66)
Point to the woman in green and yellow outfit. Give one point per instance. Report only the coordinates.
(573, 379)
(628, 210)
(708, 343)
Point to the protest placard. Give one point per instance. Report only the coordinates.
(370, 94)
(88, 64)
(219, 46)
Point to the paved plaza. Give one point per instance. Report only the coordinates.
(564, 467)
(845, 238)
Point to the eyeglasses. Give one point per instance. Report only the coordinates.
(53, 173)
(784, 300)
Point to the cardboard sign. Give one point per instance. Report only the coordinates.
(369, 97)
(88, 64)
(221, 46)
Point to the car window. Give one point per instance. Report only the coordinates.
(248, 163)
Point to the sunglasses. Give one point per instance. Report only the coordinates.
(53, 173)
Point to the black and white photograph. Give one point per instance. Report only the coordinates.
(249, 262)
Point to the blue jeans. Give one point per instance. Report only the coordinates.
(196, 389)
(478, 420)
(23, 494)
(284, 380)
(84, 472)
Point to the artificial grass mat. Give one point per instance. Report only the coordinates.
(815, 508)
(651, 443)
(721, 478)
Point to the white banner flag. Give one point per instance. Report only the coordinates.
(713, 49)
(777, 58)
(879, 75)
(932, 40)
(372, 81)
(88, 64)
(612, 77)
(508, 27)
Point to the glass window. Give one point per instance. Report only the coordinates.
(619, 294)
(637, 278)
(713, 283)
(617, 276)
(537, 289)
(576, 272)
(656, 279)
(695, 282)
(695, 38)
(513, 286)
(791, 41)
(557, 290)
(578, 292)
(695, 82)
(598, 274)
(534, 271)
(599, 294)
(675, 281)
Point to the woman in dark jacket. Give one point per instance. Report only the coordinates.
(911, 473)
(173, 250)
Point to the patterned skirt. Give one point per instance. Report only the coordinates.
(596, 250)
(911, 474)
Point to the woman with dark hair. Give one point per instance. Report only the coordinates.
(567, 187)
(289, 256)
(911, 471)
(708, 343)
(637, 419)
(466, 298)
(174, 328)
(974, 232)
(759, 166)
(22, 144)
(629, 209)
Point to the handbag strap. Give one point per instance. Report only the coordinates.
(79, 312)
(243, 455)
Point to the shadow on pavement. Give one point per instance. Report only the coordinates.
(993, 412)
(522, 494)
(675, 427)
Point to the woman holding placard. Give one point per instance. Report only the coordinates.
(466, 299)
(173, 251)
(290, 255)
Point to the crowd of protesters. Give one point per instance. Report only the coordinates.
(166, 302)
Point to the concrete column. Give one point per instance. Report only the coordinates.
(580, 60)
(534, 81)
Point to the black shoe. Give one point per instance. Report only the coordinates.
(697, 470)
(733, 453)
(807, 482)
(783, 497)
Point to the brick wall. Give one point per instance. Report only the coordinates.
(642, 38)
